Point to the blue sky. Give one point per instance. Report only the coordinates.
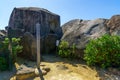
(67, 9)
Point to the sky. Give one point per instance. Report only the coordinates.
(67, 9)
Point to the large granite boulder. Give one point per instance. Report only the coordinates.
(114, 24)
(79, 32)
(24, 20)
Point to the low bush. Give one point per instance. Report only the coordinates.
(104, 51)
(3, 64)
(16, 47)
(6, 57)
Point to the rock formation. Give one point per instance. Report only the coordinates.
(3, 33)
(114, 25)
(80, 31)
(24, 20)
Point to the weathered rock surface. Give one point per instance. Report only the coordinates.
(114, 24)
(28, 73)
(29, 46)
(50, 43)
(24, 20)
(79, 32)
(24, 73)
(3, 33)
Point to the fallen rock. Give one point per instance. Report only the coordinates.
(24, 73)
(47, 69)
(44, 72)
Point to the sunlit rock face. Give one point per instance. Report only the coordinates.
(79, 31)
(114, 25)
(24, 20)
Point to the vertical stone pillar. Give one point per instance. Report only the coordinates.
(38, 43)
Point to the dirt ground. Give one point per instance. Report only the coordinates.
(63, 69)
(6, 75)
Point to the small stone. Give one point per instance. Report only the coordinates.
(42, 65)
(70, 71)
(62, 67)
(44, 72)
(36, 71)
(47, 69)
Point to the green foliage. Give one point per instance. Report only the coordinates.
(65, 50)
(3, 64)
(16, 48)
(3, 47)
(6, 58)
(104, 51)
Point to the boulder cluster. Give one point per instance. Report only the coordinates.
(23, 21)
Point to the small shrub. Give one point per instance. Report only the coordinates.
(104, 51)
(16, 47)
(65, 51)
(3, 64)
(6, 57)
